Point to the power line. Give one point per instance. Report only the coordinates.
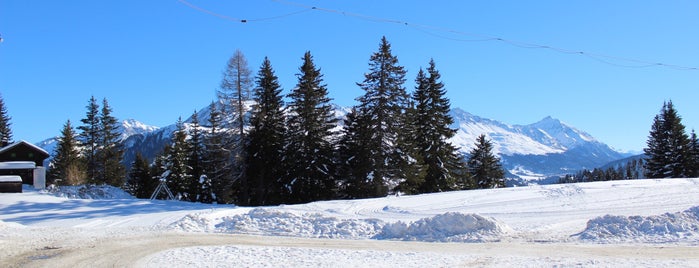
(430, 30)
(203, 10)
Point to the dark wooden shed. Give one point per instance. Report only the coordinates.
(17, 159)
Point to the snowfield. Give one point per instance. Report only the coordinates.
(651, 223)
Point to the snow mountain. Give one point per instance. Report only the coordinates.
(536, 153)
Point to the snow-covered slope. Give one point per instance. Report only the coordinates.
(526, 222)
(536, 153)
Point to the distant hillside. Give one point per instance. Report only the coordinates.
(535, 153)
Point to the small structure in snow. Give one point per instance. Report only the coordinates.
(25, 160)
(10, 184)
(162, 187)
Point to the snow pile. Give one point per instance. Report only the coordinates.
(262, 221)
(668, 227)
(89, 192)
(447, 227)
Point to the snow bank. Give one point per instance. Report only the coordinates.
(668, 227)
(447, 227)
(89, 192)
(262, 221)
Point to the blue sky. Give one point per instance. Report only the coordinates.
(157, 60)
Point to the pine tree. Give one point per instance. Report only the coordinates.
(205, 193)
(110, 151)
(66, 167)
(196, 154)
(179, 175)
(444, 167)
(90, 139)
(309, 148)
(484, 166)
(141, 183)
(266, 140)
(355, 165)
(216, 159)
(5, 130)
(668, 152)
(693, 170)
(382, 109)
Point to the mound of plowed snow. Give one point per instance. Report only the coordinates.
(273, 222)
(668, 227)
(448, 227)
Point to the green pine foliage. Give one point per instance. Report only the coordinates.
(5, 130)
(444, 169)
(110, 151)
(668, 146)
(216, 158)
(196, 154)
(66, 166)
(355, 165)
(141, 183)
(309, 150)
(90, 139)
(266, 141)
(484, 167)
(381, 111)
(693, 170)
(179, 173)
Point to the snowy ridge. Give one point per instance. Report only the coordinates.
(131, 127)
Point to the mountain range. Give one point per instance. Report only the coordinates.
(535, 153)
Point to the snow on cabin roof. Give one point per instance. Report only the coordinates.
(10, 178)
(18, 165)
(8, 147)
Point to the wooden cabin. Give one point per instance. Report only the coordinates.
(25, 160)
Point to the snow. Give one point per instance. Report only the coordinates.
(668, 227)
(18, 165)
(10, 178)
(614, 223)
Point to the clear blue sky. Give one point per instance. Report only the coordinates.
(157, 60)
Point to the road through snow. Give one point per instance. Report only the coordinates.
(148, 248)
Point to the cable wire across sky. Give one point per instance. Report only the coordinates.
(435, 32)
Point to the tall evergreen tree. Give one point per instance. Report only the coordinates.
(309, 148)
(355, 165)
(693, 155)
(179, 173)
(484, 166)
(196, 154)
(668, 152)
(141, 183)
(430, 133)
(5, 130)
(110, 150)
(382, 108)
(66, 167)
(266, 140)
(90, 139)
(216, 158)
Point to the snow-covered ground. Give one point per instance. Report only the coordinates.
(617, 223)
